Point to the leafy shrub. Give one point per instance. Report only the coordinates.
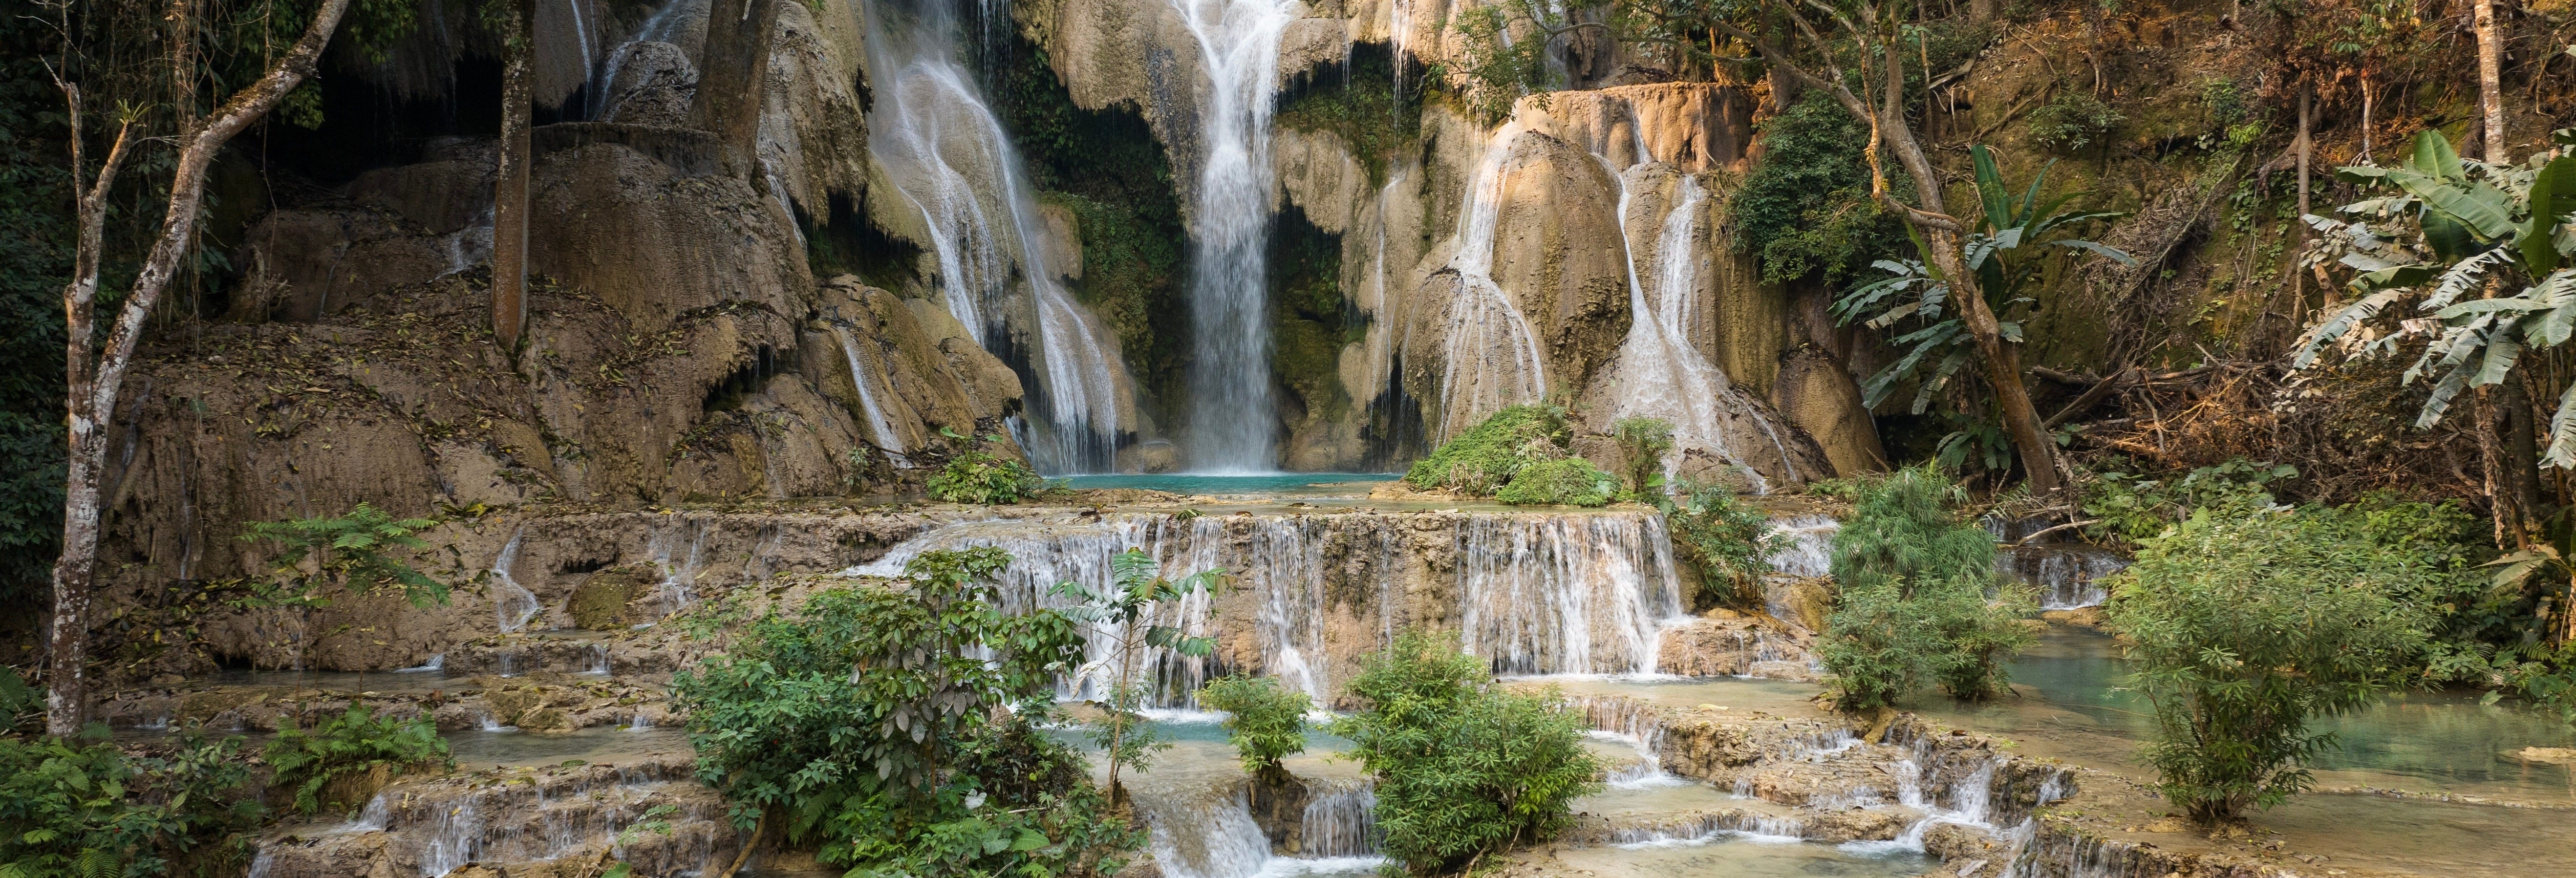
(1119, 612)
(1265, 721)
(974, 475)
(1463, 767)
(1727, 540)
(353, 743)
(1915, 584)
(1485, 457)
(2245, 622)
(1565, 481)
(2133, 508)
(83, 807)
(1805, 209)
(2074, 120)
(913, 767)
(1642, 444)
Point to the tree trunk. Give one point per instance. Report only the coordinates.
(510, 193)
(2491, 81)
(2307, 150)
(93, 383)
(734, 65)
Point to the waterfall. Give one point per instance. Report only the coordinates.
(880, 429)
(678, 580)
(1539, 593)
(1231, 422)
(1803, 546)
(2067, 576)
(1570, 594)
(514, 604)
(1340, 820)
(950, 160)
(1489, 355)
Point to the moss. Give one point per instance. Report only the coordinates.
(1565, 481)
(1488, 455)
(1360, 103)
(599, 602)
(1310, 320)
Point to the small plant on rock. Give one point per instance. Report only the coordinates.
(1485, 457)
(1265, 721)
(355, 743)
(1565, 481)
(977, 476)
(1642, 445)
(355, 552)
(1727, 540)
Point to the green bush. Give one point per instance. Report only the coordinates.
(1463, 767)
(2245, 622)
(1642, 444)
(353, 743)
(1265, 721)
(928, 763)
(1805, 209)
(1915, 584)
(2074, 120)
(1565, 481)
(1727, 540)
(2134, 508)
(974, 475)
(82, 807)
(1485, 457)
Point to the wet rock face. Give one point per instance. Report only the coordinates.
(1724, 644)
(554, 821)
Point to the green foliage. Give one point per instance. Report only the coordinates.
(1565, 481)
(1726, 539)
(974, 475)
(352, 743)
(1463, 767)
(36, 237)
(2451, 227)
(2134, 508)
(1265, 721)
(1805, 209)
(1642, 445)
(2072, 121)
(1914, 603)
(2008, 247)
(892, 726)
(75, 808)
(1119, 612)
(1483, 459)
(1364, 107)
(1506, 53)
(2246, 622)
(349, 551)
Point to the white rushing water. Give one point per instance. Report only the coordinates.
(1231, 425)
(1489, 355)
(880, 428)
(1539, 593)
(514, 604)
(949, 159)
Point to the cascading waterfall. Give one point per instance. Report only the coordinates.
(880, 429)
(679, 580)
(2066, 576)
(1340, 819)
(1539, 593)
(1489, 354)
(1238, 41)
(513, 603)
(1803, 545)
(949, 158)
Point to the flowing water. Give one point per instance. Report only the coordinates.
(880, 428)
(1238, 42)
(950, 160)
(512, 603)
(1489, 356)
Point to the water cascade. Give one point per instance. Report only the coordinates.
(1803, 545)
(514, 604)
(880, 429)
(950, 160)
(1535, 593)
(1489, 355)
(1238, 41)
(444, 826)
(679, 580)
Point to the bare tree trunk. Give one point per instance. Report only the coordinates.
(2307, 150)
(735, 66)
(93, 382)
(2491, 80)
(510, 192)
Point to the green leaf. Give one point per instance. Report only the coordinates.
(2485, 210)
(2553, 199)
(2433, 156)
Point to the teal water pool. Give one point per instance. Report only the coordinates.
(1279, 484)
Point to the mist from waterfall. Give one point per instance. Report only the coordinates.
(1232, 428)
(1489, 356)
(949, 159)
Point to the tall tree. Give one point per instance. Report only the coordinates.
(510, 189)
(1875, 40)
(94, 375)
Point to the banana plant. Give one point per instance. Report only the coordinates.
(2451, 226)
(1123, 613)
(2008, 248)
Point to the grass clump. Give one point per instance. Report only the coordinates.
(1265, 721)
(1565, 481)
(2247, 621)
(1463, 767)
(347, 746)
(1483, 459)
(981, 477)
(1642, 444)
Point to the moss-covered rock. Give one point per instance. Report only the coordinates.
(1565, 481)
(599, 602)
(1486, 457)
